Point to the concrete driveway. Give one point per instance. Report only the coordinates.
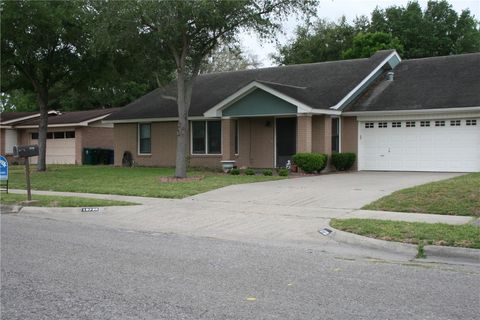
(287, 210)
(330, 191)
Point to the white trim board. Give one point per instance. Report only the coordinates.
(365, 80)
(417, 114)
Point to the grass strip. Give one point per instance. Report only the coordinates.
(467, 235)
(56, 201)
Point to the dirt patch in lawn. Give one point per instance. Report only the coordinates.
(175, 179)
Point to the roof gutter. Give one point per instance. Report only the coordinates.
(411, 112)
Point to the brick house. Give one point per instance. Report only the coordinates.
(68, 133)
(411, 115)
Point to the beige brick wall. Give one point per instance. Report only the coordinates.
(349, 136)
(228, 139)
(304, 133)
(92, 137)
(256, 144)
(322, 134)
(163, 147)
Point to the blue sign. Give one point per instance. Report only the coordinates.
(3, 168)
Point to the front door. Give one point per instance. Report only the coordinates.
(286, 138)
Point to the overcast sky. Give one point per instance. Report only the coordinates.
(333, 10)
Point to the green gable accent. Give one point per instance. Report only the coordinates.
(258, 103)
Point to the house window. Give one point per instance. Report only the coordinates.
(144, 138)
(424, 123)
(396, 124)
(34, 135)
(383, 125)
(59, 135)
(471, 122)
(410, 124)
(335, 134)
(49, 135)
(368, 125)
(237, 136)
(70, 134)
(440, 123)
(206, 137)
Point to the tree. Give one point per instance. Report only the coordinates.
(325, 41)
(438, 30)
(190, 30)
(226, 58)
(17, 100)
(43, 50)
(366, 44)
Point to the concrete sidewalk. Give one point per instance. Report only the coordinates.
(234, 221)
(191, 206)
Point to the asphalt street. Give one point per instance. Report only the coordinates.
(54, 269)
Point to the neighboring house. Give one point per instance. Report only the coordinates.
(412, 115)
(68, 133)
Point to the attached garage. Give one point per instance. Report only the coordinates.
(68, 134)
(447, 144)
(60, 146)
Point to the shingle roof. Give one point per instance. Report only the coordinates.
(71, 117)
(324, 84)
(9, 116)
(428, 83)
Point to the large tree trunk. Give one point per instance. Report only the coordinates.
(42, 100)
(182, 127)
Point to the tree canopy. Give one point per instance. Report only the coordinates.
(189, 31)
(436, 30)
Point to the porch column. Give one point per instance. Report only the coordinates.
(304, 133)
(326, 134)
(228, 139)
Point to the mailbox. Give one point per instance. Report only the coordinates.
(25, 151)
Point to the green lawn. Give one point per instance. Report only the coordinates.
(467, 235)
(140, 181)
(55, 201)
(457, 196)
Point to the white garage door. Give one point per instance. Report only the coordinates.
(60, 147)
(420, 145)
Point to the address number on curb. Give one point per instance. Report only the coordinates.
(90, 209)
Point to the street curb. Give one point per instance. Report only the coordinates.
(431, 251)
(452, 252)
(371, 243)
(6, 209)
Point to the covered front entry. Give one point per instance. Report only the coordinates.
(286, 140)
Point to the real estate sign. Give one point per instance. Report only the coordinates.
(3, 168)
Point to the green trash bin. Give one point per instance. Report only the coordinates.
(87, 156)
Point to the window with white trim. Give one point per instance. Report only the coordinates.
(410, 124)
(471, 122)
(206, 137)
(455, 123)
(439, 123)
(396, 124)
(144, 138)
(383, 124)
(424, 123)
(368, 125)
